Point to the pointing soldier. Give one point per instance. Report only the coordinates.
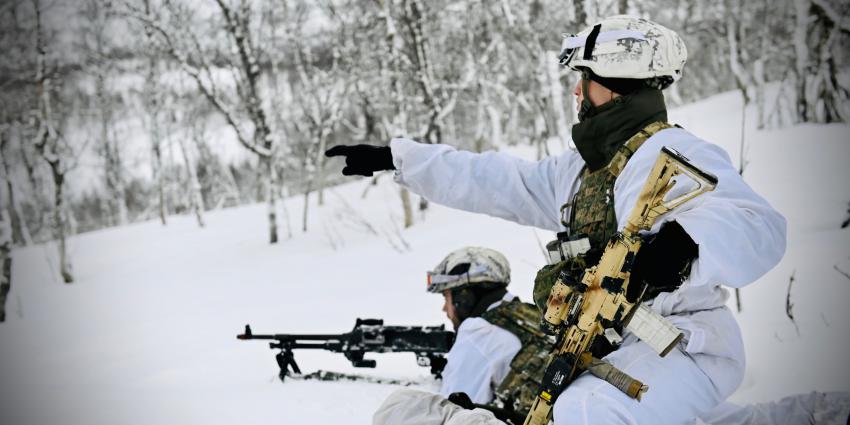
(730, 236)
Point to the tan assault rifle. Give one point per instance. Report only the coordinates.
(578, 311)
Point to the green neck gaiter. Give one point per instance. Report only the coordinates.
(603, 129)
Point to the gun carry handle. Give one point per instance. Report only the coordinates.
(368, 322)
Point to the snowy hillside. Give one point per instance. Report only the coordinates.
(146, 334)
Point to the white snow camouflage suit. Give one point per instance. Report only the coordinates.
(740, 237)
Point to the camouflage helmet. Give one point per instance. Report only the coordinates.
(625, 46)
(470, 266)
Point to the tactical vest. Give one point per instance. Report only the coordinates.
(517, 390)
(592, 208)
(592, 214)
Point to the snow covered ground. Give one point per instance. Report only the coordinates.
(146, 334)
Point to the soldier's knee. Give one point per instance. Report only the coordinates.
(586, 406)
(411, 406)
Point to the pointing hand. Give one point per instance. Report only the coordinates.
(363, 160)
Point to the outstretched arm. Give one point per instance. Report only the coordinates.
(491, 183)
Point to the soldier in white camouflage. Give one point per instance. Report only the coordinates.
(499, 353)
(729, 237)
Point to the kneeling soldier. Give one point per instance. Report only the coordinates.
(499, 352)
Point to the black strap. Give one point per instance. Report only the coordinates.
(591, 41)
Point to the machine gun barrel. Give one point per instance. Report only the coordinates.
(290, 337)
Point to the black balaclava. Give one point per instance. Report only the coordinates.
(473, 301)
(602, 129)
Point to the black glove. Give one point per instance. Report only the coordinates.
(363, 160)
(462, 400)
(663, 261)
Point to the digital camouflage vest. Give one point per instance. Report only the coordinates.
(592, 212)
(592, 209)
(517, 391)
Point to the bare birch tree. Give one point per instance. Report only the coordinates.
(439, 101)
(5, 261)
(321, 105)
(17, 97)
(392, 70)
(152, 101)
(51, 144)
(817, 33)
(184, 46)
(196, 201)
(97, 15)
(13, 192)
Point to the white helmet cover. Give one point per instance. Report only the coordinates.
(624, 46)
(486, 266)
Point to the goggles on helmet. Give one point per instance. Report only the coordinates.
(438, 282)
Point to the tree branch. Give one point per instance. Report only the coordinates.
(201, 74)
(789, 305)
(845, 274)
(833, 15)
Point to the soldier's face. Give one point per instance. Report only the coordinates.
(597, 94)
(449, 308)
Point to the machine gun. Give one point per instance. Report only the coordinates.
(579, 310)
(428, 343)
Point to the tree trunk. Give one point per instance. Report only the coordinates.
(156, 144)
(152, 104)
(270, 183)
(398, 124)
(580, 13)
(758, 76)
(306, 209)
(112, 161)
(60, 222)
(319, 172)
(408, 210)
(196, 201)
(20, 232)
(496, 131)
(5, 261)
(159, 179)
(819, 97)
(284, 196)
(742, 78)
